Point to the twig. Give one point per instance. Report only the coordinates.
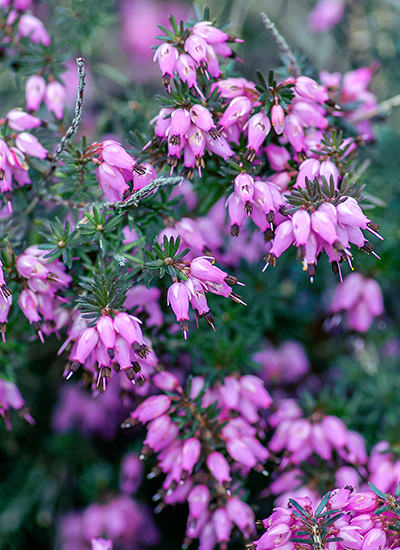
(138, 196)
(78, 108)
(381, 109)
(282, 45)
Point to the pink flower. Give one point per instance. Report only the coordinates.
(219, 467)
(152, 407)
(258, 128)
(35, 91)
(33, 28)
(55, 98)
(27, 143)
(326, 14)
(278, 118)
(361, 298)
(198, 500)
(20, 121)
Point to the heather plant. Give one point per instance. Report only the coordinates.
(140, 408)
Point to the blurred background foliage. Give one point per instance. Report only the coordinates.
(43, 473)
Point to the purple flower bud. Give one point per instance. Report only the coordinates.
(152, 407)
(166, 381)
(276, 536)
(28, 303)
(202, 117)
(294, 132)
(283, 238)
(178, 298)
(113, 153)
(196, 47)
(106, 331)
(20, 121)
(253, 389)
(310, 114)
(328, 169)
(167, 56)
(219, 147)
(85, 345)
(350, 213)
(335, 431)
(348, 293)
(180, 123)
(236, 212)
(158, 432)
(278, 118)
(323, 227)
(301, 222)
(212, 63)
(33, 28)
(196, 140)
(128, 327)
(198, 298)
(203, 269)
(308, 88)
(374, 540)
(325, 15)
(299, 434)
(27, 143)
(244, 187)
(238, 109)
(122, 353)
(308, 169)
(198, 500)
(34, 91)
(55, 98)
(222, 525)
(241, 453)
(240, 513)
(186, 69)
(258, 128)
(209, 33)
(190, 454)
(278, 157)
(350, 536)
(110, 177)
(219, 467)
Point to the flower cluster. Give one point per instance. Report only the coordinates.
(352, 93)
(284, 364)
(200, 276)
(22, 25)
(52, 93)
(197, 53)
(308, 199)
(39, 300)
(343, 519)
(326, 14)
(115, 341)
(315, 440)
(330, 228)
(209, 235)
(79, 410)
(117, 172)
(124, 521)
(15, 149)
(205, 439)
(362, 300)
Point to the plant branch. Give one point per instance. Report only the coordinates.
(138, 196)
(78, 108)
(283, 46)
